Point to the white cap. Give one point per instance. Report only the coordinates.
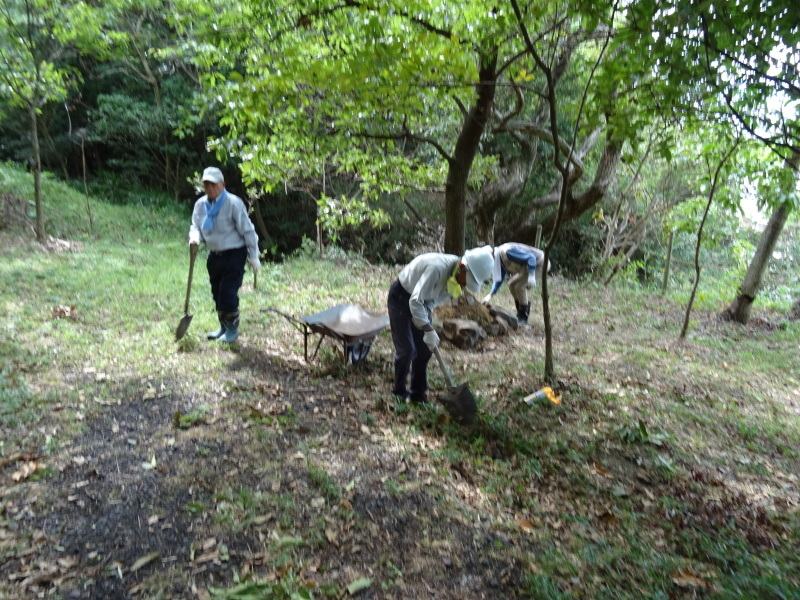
(479, 263)
(213, 174)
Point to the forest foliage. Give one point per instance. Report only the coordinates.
(393, 127)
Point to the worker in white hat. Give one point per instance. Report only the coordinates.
(220, 220)
(427, 281)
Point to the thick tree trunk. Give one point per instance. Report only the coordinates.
(499, 192)
(739, 309)
(37, 174)
(455, 203)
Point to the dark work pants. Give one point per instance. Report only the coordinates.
(410, 351)
(226, 272)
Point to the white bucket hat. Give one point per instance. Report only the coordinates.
(213, 174)
(479, 263)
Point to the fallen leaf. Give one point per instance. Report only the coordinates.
(608, 519)
(261, 519)
(331, 535)
(67, 562)
(358, 585)
(207, 557)
(25, 471)
(524, 524)
(602, 471)
(148, 558)
(687, 579)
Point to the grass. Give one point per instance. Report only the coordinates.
(667, 471)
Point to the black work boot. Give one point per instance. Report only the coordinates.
(231, 323)
(526, 312)
(522, 312)
(215, 335)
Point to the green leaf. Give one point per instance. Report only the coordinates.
(358, 585)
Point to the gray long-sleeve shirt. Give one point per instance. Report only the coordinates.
(232, 227)
(425, 278)
(500, 256)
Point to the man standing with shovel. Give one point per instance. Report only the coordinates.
(427, 281)
(220, 220)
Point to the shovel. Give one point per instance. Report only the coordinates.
(183, 326)
(459, 401)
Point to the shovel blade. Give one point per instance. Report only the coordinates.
(183, 326)
(460, 404)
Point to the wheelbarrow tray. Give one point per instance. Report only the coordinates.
(353, 326)
(347, 322)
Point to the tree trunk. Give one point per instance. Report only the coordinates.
(575, 205)
(499, 192)
(794, 313)
(739, 309)
(455, 202)
(37, 174)
(261, 226)
(714, 182)
(668, 263)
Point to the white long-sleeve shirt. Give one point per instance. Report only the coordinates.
(425, 278)
(232, 227)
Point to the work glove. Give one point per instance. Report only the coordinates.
(487, 299)
(255, 263)
(431, 339)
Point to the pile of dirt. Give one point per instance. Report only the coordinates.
(471, 312)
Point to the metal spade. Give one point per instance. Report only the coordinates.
(183, 326)
(459, 401)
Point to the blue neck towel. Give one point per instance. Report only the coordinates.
(518, 255)
(212, 210)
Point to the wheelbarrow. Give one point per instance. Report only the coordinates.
(349, 324)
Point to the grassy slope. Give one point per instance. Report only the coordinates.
(668, 470)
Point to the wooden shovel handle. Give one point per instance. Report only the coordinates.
(192, 256)
(445, 370)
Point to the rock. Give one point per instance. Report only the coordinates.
(504, 326)
(494, 329)
(498, 312)
(463, 333)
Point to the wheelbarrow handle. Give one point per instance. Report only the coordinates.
(443, 365)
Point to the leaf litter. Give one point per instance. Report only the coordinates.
(244, 486)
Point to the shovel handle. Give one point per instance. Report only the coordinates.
(445, 370)
(192, 256)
